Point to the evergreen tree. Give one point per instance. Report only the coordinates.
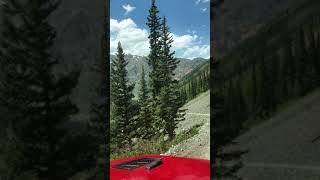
(193, 87)
(315, 45)
(225, 163)
(266, 87)
(121, 95)
(304, 71)
(99, 120)
(292, 70)
(254, 91)
(286, 71)
(169, 111)
(185, 95)
(190, 89)
(168, 63)
(242, 110)
(36, 97)
(274, 81)
(169, 101)
(154, 56)
(145, 116)
(235, 106)
(314, 75)
(11, 156)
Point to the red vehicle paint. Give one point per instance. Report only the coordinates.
(165, 168)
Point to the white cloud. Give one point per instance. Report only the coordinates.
(134, 40)
(201, 1)
(183, 41)
(197, 51)
(128, 8)
(203, 9)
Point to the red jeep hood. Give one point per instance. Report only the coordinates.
(172, 168)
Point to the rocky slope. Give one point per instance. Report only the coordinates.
(198, 112)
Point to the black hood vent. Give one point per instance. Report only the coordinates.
(136, 163)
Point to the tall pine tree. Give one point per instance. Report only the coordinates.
(303, 71)
(154, 25)
(254, 109)
(121, 95)
(225, 164)
(100, 117)
(169, 111)
(146, 116)
(37, 98)
(169, 101)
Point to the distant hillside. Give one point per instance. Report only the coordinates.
(136, 62)
(272, 38)
(196, 82)
(278, 64)
(237, 20)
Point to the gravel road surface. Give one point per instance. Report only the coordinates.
(287, 146)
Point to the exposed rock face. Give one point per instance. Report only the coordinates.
(236, 20)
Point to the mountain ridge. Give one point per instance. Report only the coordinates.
(136, 62)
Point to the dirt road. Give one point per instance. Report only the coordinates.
(198, 112)
(287, 146)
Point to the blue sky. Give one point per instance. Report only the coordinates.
(189, 22)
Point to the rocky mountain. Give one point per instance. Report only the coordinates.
(136, 62)
(237, 20)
